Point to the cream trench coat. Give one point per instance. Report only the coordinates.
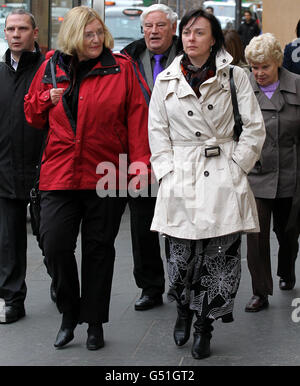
(201, 197)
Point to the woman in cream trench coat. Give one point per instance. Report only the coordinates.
(204, 201)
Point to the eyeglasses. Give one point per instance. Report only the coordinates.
(91, 35)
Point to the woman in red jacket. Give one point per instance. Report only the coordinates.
(97, 118)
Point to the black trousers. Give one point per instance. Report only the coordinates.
(258, 245)
(148, 266)
(62, 214)
(13, 246)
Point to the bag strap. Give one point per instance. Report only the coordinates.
(45, 140)
(238, 127)
(53, 75)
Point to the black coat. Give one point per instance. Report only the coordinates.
(247, 31)
(20, 144)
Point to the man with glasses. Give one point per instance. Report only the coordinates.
(152, 54)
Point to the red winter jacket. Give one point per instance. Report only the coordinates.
(111, 121)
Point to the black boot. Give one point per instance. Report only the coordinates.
(202, 337)
(66, 331)
(95, 338)
(182, 328)
(53, 293)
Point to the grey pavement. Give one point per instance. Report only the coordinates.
(144, 338)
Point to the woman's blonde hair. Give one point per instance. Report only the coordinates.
(71, 33)
(262, 48)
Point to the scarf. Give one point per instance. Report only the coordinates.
(195, 76)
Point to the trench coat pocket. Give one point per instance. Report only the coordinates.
(237, 173)
(179, 191)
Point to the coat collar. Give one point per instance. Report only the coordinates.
(287, 84)
(223, 59)
(26, 59)
(173, 72)
(106, 59)
(136, 48)
(106, 65)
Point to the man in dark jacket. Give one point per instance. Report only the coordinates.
(248, 29)
(291, 58)
(20, 147)
(152, 54)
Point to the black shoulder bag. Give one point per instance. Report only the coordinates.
(238, 123)
(35, 194)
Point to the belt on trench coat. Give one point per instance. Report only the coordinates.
(210, 147)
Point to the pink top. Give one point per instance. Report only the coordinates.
(269, 90)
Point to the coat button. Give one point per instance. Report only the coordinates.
(224, 60)
(224, 74)
(198, 134)
(190, 113)
(206, 173)
(210, 107)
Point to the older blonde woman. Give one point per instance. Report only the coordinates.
(273, 179)
(96, 113)
(204, 201)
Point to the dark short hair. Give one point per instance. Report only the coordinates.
(214, 23)
(248, 11)
(22, 11)
(298, 29)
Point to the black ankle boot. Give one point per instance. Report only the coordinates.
(182, 328)
(95, 338)
(66, 331)
(202, 337)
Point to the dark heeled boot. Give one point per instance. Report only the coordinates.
(202, 337)
(95, 338)
(66, 331)
(182, 328)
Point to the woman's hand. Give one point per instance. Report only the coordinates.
(55, 94)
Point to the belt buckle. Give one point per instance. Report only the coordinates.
(214, 151)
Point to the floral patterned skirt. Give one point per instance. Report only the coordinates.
(205, 274)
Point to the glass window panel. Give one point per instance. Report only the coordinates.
(58, 10)
(87, 3)
(124, 29)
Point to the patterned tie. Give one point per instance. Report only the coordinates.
(157, 66)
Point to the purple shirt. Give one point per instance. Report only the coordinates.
(269, 90)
